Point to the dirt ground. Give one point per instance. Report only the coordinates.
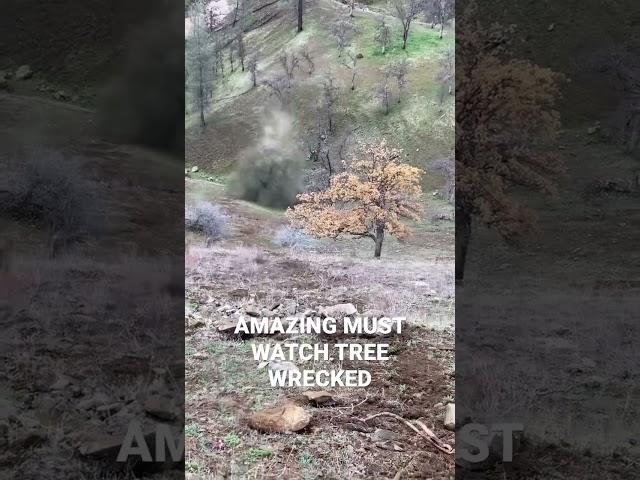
(224, 384)
(88, 335)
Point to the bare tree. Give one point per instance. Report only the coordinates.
(306, 54)
(252, 66)
(398, 70)
(343, 32)
(406, 11)
(240, 47)
(198, 61)
(280, 86)
(352, 7)
(232, 58)
(447, 168)
(385, 94)
(330, 98)
(440, 11)
(352, 64)
(300, 4)
(289, 63)
(446, 74)
(382, 36)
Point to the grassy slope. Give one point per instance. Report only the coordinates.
(419, 125)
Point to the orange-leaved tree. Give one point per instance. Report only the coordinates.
(506, 127)
(368, 200)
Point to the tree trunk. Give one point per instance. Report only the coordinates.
(300, 14)
(405, 36)
(441, 30)
(202, 122)
(463, 233)
(379, 239)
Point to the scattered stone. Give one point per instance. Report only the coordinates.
(239, 293)
(338, 311)
(286, 419)
(382, 435)
(227, 326)
(359, 56)
(252, 311)
(358, 427)
(594, 382)
(160, 407)
(97, 444)
(318, 397)
(279, 365)
(61, 95)
(24, 72)
(61, 383)
(195, 322)
(105, 411)
(450, 416)
(194, 169)
(200, 356)
(373, 313)
(30, 438)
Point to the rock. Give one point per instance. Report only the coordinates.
(97, 444)
(359, 56)
(61, 95)
(373, 313)
(358, 427)
(286, 419)
(593, 130)
(252, 311)
(382, 435)
(338, 311)
(194, 169)
(195, 322)
(30, 438)
(279, 365)
(318, 397)
(551, 27)
(450, 416)
(108, 410)
(227, 326)
(160, 407)
(24, 72)
(239, 293)
(4, 84)
(61, 383)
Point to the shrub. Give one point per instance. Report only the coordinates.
(48, 187)
(207, 219)
(290, 237)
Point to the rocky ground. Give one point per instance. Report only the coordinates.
(89, 339)
(248, 274)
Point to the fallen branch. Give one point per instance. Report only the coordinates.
(425, 432)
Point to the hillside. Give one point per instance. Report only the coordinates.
(420, 124)
(253, 266)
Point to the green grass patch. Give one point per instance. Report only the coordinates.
(192, 430)
(231, 440)
(423, 43)
(255, 454)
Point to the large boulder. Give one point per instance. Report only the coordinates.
(285, 419)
